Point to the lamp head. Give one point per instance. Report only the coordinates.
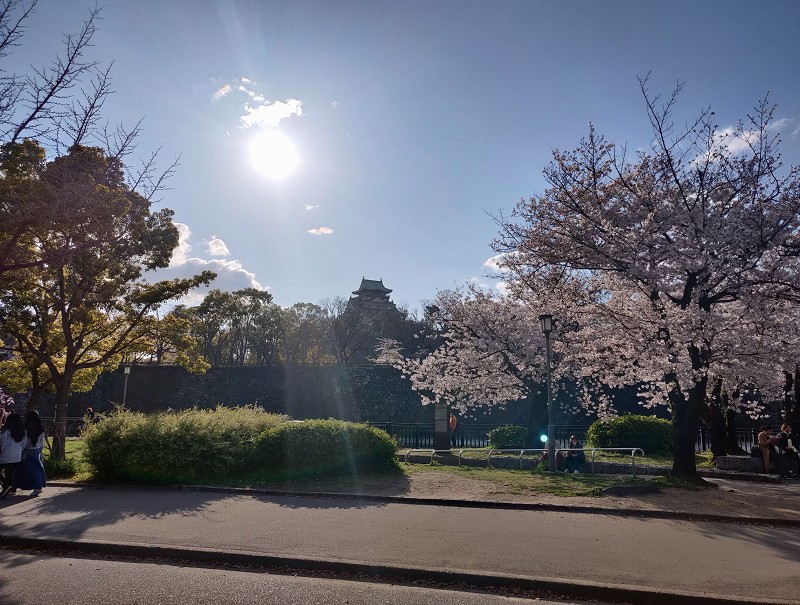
(547, 323)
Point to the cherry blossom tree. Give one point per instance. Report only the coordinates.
(679, 266)
(490, 351)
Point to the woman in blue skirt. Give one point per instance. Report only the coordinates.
(29, 474)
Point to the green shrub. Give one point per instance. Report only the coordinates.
(651, 434)
(507, 437)
(193, 445)
(180, 446)
(317, 447)
(59, 469)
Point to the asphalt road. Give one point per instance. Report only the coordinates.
(34, 579)
(701, 558)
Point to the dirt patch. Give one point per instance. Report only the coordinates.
(730, 498)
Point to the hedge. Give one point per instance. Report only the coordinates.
(507, 437)
(651, 434)
(193, 445)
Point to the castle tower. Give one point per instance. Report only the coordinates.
(372, 296)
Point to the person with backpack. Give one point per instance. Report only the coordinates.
(12, 442)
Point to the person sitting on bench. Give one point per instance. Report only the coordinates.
(575, 457)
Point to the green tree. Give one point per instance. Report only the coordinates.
(304, 334)
(81, 313)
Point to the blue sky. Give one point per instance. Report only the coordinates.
(411, 119)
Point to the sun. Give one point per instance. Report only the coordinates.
(273, 154)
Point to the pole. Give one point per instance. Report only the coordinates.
(126, 370)
(551, 437)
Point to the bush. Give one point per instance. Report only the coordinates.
(653, 435)
(507, 437)
(179, 446)
(316, 447)
(59, 468)
(229, 442)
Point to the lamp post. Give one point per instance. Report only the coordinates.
(547, 327)
(126, 370)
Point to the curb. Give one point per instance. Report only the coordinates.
(481, 504)
(463, 580)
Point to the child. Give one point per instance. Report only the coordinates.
(12, 442)
(30, 472)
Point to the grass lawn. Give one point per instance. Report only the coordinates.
(505, 481)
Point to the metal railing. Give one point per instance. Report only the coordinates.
(521, 452)
(74, 425)
(418, 435)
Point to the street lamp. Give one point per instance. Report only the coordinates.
(126, 370)
(547, 327)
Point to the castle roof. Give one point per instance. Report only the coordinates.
(372, 286)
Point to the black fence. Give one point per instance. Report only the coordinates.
(74, 426)
(477, 435)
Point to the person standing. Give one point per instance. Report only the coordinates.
(453, 424)
(770, 452)
(30, 474)
(12, 442)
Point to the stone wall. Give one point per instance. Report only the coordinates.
(358, 393)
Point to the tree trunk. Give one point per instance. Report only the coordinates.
(717, 422)
(793, 417)
(732, 440)
(685, 420)
(60, 430)
(36, 391)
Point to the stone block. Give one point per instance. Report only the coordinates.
(743, 464)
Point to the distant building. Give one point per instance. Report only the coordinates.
(372, 298)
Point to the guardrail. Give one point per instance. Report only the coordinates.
(73, 426)
(521, 452)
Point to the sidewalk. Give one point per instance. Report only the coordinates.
(654, 560)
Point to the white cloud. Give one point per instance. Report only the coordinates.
(779, 124)
(221, 92)
(182, 251)
(735, 141)
(321, 231)
(498, 287)
(231, 274)
(259, 111)
(255, 96)
(335, 104)
(216, 247)
(796, 132)
(271, 114)
(493, 263)
(311, 206)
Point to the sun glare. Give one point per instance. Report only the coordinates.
(273, 154)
